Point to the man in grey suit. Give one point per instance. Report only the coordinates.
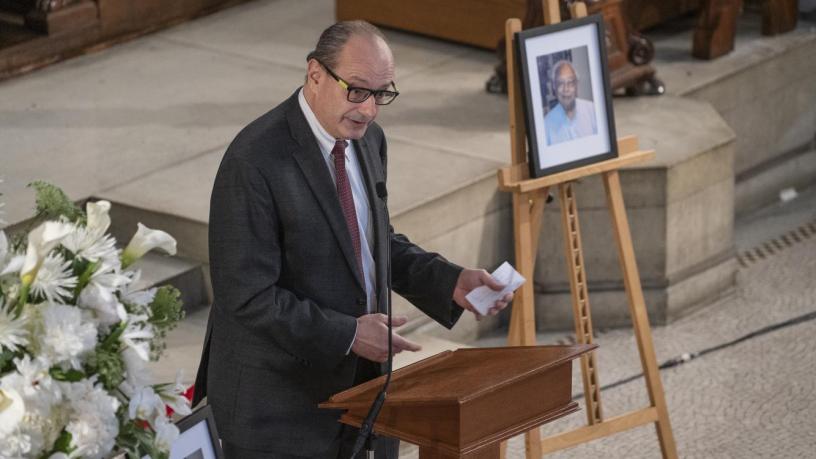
(299, 245)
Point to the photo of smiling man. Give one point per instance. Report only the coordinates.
(571, 117)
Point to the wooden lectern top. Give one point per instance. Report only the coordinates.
(460, 376)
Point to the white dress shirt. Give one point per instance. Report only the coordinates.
(358, 191)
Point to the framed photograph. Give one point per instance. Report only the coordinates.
(567, 96)
(198, 438)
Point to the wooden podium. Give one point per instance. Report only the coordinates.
(464, 403)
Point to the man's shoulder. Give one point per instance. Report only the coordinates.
(267, 134)
(582, 104)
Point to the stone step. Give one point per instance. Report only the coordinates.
(183, 274)
(183, 352)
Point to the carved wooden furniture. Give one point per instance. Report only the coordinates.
(34, 33)
(463, 403)
(629, 52)
(643, 14)
(58, 16)
(779, 16)
(472, 22)
(481, 23)
(716, 28)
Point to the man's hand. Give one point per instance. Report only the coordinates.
(371, 341)
(472, 278)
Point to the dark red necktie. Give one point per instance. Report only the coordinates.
(346, 198)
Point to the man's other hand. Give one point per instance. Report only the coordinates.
(472, 278)
(371, 341)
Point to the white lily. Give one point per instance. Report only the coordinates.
(14, 265)
(145, 405)
(166, 434)
(12, 410)
(145, 240)
(174, 396)
(100, 295)
(41, 240)
(141, 299)
(137, 373)
(98, 219)
(137, 335)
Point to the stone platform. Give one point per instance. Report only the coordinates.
(145, 124)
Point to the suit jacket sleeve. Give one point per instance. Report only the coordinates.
(426, 279)
(245, 257)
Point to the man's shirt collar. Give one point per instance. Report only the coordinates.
(324, 139)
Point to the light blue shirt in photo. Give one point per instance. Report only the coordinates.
(561, 128)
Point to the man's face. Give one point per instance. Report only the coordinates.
(365, 62)
(566, 86)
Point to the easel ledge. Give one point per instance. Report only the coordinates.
(515, 178)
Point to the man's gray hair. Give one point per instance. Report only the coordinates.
(557, 68)
(333, 39)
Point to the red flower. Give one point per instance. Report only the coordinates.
(188, 394)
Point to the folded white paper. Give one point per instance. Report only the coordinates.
(483, 298)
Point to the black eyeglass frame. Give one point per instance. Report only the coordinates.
(369, 92)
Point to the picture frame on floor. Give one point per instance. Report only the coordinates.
(198, 437)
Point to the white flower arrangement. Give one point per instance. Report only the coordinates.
(75, 339)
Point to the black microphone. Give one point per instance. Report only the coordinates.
(382, 192)
(366, 428)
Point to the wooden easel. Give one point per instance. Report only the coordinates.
(529, 197)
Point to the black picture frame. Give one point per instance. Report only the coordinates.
(558, 142)
(192, 425)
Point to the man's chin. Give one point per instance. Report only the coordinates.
(355, 130)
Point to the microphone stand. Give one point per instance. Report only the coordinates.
(364, 438)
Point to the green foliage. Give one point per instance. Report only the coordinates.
(108, 364)
(137, 439)
(52, 203)
(166, 311)
(84, 270)
(7, 360)
(66, 375)
(63, 443)
(107, 361)
(17, 241)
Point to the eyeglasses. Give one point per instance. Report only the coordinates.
(359, 95)
(571, 82)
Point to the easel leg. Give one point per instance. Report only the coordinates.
(637, 309)
(527, 211)
(522, 320)
(580, 300)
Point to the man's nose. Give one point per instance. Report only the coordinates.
(369, 108)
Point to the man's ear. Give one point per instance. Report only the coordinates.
(313, 72)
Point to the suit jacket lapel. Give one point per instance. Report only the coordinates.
(371, 167)
(311, 162)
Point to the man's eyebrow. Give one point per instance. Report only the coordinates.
(354, 80)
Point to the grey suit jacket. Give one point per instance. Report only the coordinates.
(286, 287)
